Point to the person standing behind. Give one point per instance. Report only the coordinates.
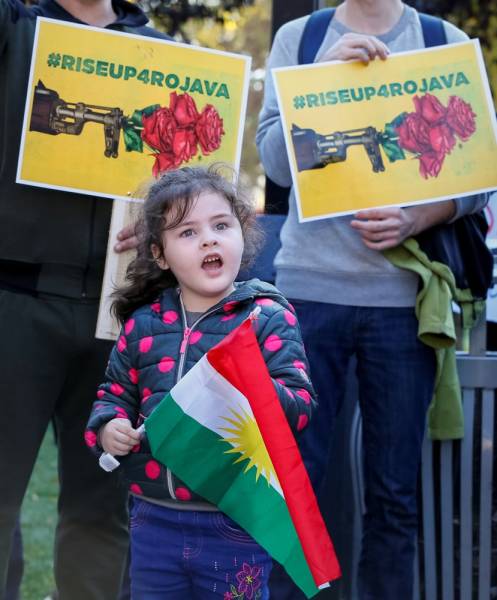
(351, 300)
(52, 253)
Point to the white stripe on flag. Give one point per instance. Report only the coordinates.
(206, 396)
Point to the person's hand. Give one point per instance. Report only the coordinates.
(117, 437)
(127, 239)
(356, 46)
(382, 228)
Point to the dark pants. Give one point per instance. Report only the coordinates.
(396, 377)
(194, 555)
(50, 365)
(16, 566)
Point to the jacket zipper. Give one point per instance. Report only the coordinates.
(182, 357)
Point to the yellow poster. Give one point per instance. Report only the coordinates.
(106, 111)
(415, 128)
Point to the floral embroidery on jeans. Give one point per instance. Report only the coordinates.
(248, 584)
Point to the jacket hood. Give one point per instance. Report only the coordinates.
(255, 288)
(128, 15)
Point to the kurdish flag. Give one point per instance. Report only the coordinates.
(222, 430)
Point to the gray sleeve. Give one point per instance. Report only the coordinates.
(454, 34)
(269, 137)
(470, 204)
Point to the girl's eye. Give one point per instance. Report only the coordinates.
(186, 233)
(221, 226)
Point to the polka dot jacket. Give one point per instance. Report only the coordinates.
(144, 365)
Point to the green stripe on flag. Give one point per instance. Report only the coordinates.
(198, 456)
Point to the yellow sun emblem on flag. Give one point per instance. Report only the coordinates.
(246, 439)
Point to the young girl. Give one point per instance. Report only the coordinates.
(182, 299)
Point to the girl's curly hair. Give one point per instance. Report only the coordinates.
(167, 203)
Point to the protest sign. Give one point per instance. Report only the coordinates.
(107, 110)
(417, 127)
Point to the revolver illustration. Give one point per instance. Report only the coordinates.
(315, 151)
(52, 115)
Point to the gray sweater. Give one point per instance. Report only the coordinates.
(326, 260)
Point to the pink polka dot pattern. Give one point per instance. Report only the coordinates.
(291, 319)
(155, 307)
(195, 337)
(304, 394)
(229, 306)
(133, 375)
(116, 389)
(100, 394)
(136, 448)
(121, 413)
(166, 364)
(298, 364)
(145, 344)
(182, 494)
(134, 488)
(90, 438)
(264, 302)
(228, 317)
(170, 317)
(302, 422)
(289, 392)
(128, 326)
(292, 307)
(98, 406)
(152, 469)
(280, 381)
(146, 394)
(273, 343)
(121, 344)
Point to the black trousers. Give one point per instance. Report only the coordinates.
(50, 366)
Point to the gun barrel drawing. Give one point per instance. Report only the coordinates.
(52, 115)
(315, 151)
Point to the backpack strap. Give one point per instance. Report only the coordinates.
(313, 34)
(433, 30)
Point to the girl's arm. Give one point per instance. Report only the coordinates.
(117, 398)
(283, 350)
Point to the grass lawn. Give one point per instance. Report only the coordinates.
(38, 519)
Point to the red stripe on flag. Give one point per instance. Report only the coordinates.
(239, 360)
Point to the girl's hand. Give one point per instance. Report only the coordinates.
(117, 437)
(356, 46)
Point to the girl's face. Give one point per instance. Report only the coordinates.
(204, 252)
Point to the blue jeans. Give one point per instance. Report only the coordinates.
(396, 375)
(193, 555)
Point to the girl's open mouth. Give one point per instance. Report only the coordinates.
(212, 262)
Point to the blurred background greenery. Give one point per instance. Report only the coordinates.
(237, 26)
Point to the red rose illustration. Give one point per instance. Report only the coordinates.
(184, 109)
(461, 118)
(164, 161)
(442, 138)
(209, 129)
(158, 129)
(430, 164)
(184, 145)
(414, 134)
(430, 108)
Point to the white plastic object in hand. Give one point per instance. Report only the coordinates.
(108, 462)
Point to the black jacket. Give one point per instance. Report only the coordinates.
(42, 226)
